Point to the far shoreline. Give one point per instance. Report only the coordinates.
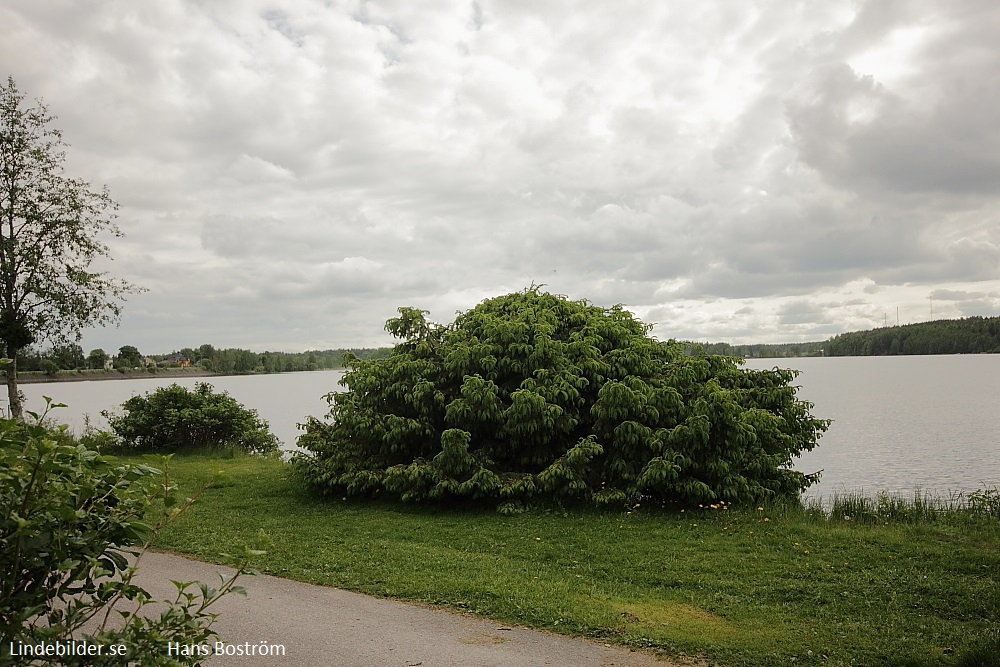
(35, 377)
(73, 376)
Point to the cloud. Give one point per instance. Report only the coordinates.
(984, 307)
(918, 127)
(802, 312)
(955, 295)
(290, 173)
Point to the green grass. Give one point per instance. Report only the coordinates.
(776, 586)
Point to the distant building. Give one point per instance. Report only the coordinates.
(176, 358)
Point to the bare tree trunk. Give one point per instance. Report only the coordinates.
(13, 395)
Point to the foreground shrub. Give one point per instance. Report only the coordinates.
(68, 521)
(532, 396)
(174, 418)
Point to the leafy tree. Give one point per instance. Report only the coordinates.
(49, 228)
(68, 521)
(97, 358)
(49, 367)
(532, 396)
(68, 357)
(174, 418)
(205, 351)
(30, 359)
(244, 361)
(128, 357)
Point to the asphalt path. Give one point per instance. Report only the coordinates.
(318, 626)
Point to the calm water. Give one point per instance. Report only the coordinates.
(900, 423)
(282, 399)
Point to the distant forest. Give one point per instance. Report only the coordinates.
(970, 335)
(225, 361)
(235, 361)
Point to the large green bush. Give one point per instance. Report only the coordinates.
(175, 418)
(71, 523)
(532, 396)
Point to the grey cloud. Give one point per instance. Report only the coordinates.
(974, 260)
(679, 159)
(823, 331)
(802, 312)
(931, 133)
(986, 306)
(874, 21)
(310, 238)
(279, 21)
(752, 137)
(955, 295)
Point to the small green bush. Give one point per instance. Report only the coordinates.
(175, 418)
(69, 520)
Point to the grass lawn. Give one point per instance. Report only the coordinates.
(777, 586)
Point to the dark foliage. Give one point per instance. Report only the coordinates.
(175, 418)
(530, 396)
(971, 335)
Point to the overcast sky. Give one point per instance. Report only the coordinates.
(290, 173)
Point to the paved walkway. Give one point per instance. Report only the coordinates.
(328, 627)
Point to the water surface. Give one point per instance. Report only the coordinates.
(900, 423)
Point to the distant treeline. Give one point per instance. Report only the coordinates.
(236, 361)
(763, 350)
(970, 335)
(225, 361)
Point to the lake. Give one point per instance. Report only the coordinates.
(283, 399)
(900, 423)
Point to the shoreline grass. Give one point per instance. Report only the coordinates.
(881, 581)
